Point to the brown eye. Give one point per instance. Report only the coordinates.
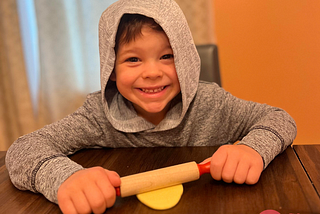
(132, 59)
(167, 56)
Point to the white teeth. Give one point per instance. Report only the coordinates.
(152, 90)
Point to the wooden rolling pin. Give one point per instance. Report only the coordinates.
(161, 178)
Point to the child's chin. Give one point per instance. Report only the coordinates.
(155, 108)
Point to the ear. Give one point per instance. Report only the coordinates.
(113, 76)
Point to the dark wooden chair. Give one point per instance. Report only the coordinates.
(210, 70)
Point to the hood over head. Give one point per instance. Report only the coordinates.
(169, 16)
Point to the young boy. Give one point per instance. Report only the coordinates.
(150, 96)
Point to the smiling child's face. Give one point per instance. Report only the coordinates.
(145, 74)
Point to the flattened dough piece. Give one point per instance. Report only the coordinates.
(162, 199)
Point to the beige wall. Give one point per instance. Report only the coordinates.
(270, 52)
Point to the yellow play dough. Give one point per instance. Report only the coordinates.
(162, 199)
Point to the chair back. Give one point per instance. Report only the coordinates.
(210, 70)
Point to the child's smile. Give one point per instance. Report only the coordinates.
(145, 74)
(154, 90)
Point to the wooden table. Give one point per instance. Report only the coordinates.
(284, 186)
(309, 156)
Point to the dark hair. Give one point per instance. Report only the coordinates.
(130, 26)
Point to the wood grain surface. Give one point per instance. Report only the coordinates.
(284, 186)
(309, 156)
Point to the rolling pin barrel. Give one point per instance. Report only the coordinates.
(160, 178)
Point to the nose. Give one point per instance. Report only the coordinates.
(152, 71)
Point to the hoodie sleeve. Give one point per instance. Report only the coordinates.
(268, 130)
(38, 161)
(227, 119)
(271, 130)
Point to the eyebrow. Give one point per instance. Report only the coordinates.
(133, 50)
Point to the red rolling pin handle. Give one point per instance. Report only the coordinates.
(118, 193)
(203, 168)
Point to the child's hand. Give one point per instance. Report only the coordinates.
(236, 163)
(88, 190)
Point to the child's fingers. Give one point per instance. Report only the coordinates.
(114, 178)
(109, 194)
(239, 164)
(95, 198)
(241, 173)
(206, 161)
(108, 189)
(229, 168)
(254, 174)
(218, 160)
(68, 203)
(89, 190)
(67, 206)
(80, 203)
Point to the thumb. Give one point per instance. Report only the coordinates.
(206, 161)
(114, 178)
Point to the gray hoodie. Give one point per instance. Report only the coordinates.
(203, 114)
